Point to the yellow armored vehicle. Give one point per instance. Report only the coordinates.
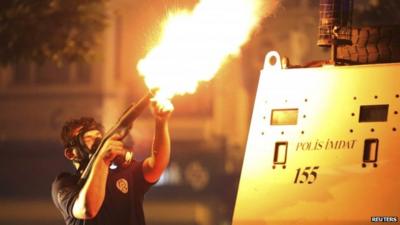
(324, 142)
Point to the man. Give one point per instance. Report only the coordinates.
(111, 195)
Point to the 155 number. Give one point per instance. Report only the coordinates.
(306, 175)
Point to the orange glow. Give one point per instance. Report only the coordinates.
(194, 45)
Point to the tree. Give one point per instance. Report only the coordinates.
(56, 30)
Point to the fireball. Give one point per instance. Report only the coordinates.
(194, 45)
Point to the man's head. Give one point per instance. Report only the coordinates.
(79, 136)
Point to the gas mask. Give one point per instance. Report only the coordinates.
(83, 152)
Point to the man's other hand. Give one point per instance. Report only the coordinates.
(161, 109)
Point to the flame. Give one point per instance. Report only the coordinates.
(194, 45)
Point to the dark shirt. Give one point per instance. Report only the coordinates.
(123, 201)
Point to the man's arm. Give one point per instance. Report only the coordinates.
(155, 165)
(91, 196)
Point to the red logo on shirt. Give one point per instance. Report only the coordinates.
(122, 185)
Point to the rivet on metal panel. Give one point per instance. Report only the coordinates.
(272, 60)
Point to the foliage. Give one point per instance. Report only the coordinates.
(59, 30)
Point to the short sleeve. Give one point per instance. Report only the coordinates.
(141, 185)
(64, 192)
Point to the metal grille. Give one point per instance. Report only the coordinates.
(335, 22)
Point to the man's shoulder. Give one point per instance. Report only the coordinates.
(137, 167)
(63, 183)
(137, 164)
(64, 175)
(65, 178)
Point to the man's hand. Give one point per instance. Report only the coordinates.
(112, 148)
(161, 109)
